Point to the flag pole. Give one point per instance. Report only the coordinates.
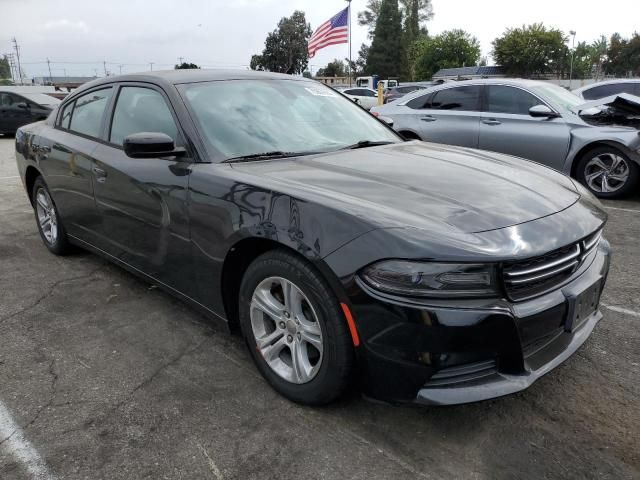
(350, 71)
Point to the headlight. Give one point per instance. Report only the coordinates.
(426, 279)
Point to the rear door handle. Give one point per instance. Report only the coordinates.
(428, 118)
(492, 121)
(100, 174)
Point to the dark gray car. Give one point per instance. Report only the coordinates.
(597, 143)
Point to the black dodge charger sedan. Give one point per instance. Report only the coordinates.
(342, 253)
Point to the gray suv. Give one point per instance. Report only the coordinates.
(595, 142)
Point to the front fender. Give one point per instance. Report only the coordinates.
(583, 139)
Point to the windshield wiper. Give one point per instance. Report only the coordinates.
(365, 144)
(266, 156)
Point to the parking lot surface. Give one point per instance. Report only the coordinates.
(104, 377)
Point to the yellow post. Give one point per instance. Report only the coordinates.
(380, 93)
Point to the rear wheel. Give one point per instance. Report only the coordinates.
(607, 172)
(50, 227)
(294, 329)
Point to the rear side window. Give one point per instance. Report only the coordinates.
(140, 109)
(503, 99)
(602, 91)
(88, 112)
(423, 101)
(6, 99)
(65, 118)
(465, 98)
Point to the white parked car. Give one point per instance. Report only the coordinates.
(367, 98)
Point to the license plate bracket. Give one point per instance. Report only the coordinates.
(581, 306)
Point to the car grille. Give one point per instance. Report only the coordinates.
(535, 276)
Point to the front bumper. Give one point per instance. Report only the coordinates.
(446, 354)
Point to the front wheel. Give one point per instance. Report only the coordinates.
(294, 329)
(607, 172)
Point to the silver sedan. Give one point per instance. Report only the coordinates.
(597, 143)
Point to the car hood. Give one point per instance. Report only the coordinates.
(424, 185)
(623, 102)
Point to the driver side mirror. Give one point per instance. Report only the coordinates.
(23, 105)
(542, 111)
(151, 145)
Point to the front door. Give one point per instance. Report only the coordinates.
(142, 202)
(507, 127)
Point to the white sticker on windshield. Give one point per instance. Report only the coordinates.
(321, 92)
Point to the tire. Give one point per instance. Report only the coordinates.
(317, 316)
(53, 235)
(607, 172)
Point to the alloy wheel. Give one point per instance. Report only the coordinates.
(286, 330)
(47, 217)
(606, 173)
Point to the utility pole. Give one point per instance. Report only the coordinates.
(12, 67)
(573, 53)
(104, 64)
(120, 68)
(49, 65)
(180, 59)
(151, 65)
(17, 49)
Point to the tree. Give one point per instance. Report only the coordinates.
(623, 55)
(369, 16)
(358, 66)
(450, 49)
(285, 49)
(386, 53)
(5, 68)
(185, 66)
(336, 68)
(531, 50)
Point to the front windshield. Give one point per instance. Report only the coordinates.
(558, 97)
(249, 117)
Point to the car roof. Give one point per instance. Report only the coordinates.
(606, 82)
(180, 76)
(514, 82)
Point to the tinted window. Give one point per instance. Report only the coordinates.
(502, 99)
(65, 118)
(138, 110)
(6, 99)
(88, 112)
(351, 92)
(423, 101)
(605, 90)
(368, 93)
(465, 98)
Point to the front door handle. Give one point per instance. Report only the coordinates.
(492, 121)
(428, 118)
(101, 175)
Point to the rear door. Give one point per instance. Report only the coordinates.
(450, 116)
(507, 127)
(142, 202)
(65, 154)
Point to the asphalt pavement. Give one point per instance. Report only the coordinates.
(105, 377)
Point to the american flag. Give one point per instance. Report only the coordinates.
(331, 32)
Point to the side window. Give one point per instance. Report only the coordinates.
(636, 89)
(465, 98)
(602, 91)
(88, 112)
(140, 109)
(65, 117)
(503, 99)
(6, 99)
(350, 92)
(369, 93)
(423, 101)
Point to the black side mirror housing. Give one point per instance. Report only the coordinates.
(151, 145)
(542, 111)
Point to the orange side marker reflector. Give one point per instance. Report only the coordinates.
(352, 324)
